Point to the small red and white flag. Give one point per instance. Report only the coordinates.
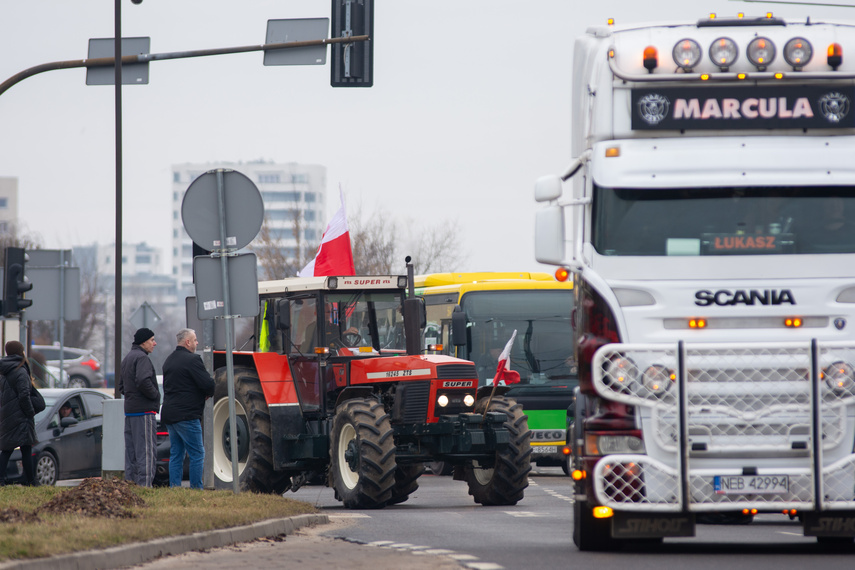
(334, 256)
(503, 370)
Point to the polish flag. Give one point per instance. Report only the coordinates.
(503, 370)
(334, 255)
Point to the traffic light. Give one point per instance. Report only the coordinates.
(352, 65)
(16, 281)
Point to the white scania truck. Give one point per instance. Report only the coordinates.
(708, 220)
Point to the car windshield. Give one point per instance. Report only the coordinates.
(724, 221)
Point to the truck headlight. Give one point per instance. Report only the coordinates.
(686, 54)
(840, 377)
(621, 371)
(596, 444)
(658, 379)
(798, 52)
(723, 52)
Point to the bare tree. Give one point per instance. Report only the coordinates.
(275, 261)
(16, 235)
(373, 242)
(379, 246)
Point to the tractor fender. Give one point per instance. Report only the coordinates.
(352, 392)
(485, 391)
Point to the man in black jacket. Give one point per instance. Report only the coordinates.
(186, 386)
(138, 383)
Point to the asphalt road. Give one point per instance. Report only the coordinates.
(441, 527)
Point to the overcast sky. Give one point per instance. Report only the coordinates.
(470, 104)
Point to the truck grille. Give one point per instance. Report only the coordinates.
(456, 371)
(747, 405)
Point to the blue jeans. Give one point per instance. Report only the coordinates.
(186, 437)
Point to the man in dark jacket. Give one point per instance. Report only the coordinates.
(138, 384)
(186, 386)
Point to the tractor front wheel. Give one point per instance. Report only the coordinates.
(362, 453)
(504, 483)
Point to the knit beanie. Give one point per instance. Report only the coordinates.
(142, 335)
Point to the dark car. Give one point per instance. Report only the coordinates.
(68, 447)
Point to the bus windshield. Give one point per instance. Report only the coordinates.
(724, 221)
(542, 352)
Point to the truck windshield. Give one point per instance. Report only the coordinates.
(724, 221)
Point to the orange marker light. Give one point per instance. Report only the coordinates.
(561, 274)
(651, 58)
(697, 323)
(612, 152)
(793, 322)
(610, 21)
(835, 56)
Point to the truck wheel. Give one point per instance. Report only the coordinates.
(254, 445)
(505, 482)
(406, 482)
(362, 454)
(590, 534)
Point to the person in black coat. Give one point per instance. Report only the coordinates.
(17, 426)
(186, 386)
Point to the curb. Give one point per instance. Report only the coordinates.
(142, 552)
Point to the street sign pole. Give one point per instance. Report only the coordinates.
(230, 371)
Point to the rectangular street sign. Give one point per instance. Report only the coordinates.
(242, 271)
(297, 30)
(132, 74)
(45, 293)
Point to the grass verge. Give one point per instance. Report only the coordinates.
(167, 512)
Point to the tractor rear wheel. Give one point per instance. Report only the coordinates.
(253, 430)
(362, 454)
(505, 482)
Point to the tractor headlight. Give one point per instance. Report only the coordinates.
(468, 400)
(442, 401)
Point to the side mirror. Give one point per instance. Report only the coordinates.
(67, 422)
(549, 236)
(415, 319)
(547, 188)
(283, 315)
(458, 326)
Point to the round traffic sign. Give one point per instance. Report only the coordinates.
(243, 211)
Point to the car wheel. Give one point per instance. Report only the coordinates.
(78, 381)
(47, 469)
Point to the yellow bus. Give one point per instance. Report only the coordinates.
(495, 304)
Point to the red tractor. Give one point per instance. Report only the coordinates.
(339, 390)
